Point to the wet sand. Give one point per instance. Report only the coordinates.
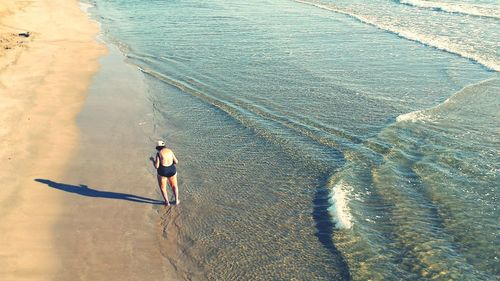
(109, 226)
(41, 91)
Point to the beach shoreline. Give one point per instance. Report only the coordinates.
(110, 228)
(44, 77)
(312, 145)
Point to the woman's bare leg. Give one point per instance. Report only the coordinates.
(173, 183)
(162, 183)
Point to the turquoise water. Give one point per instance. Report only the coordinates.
(329, 140)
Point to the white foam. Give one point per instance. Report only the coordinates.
(413, 116)
(429, 113)
(339, 209)
(441, 43)
(84, 6)
(467, 9)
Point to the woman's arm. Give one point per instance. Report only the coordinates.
(174, 158)
(157, 161)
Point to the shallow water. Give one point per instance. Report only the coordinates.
(319, 140)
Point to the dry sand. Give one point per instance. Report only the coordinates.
(43, 82)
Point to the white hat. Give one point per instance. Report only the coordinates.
(160, 143)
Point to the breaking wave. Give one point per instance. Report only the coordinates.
(438, 42)
(339, 209)
(466, 9)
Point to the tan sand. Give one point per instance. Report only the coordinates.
(108, 229)
(43, 81)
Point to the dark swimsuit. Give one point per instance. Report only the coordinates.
(166, 171)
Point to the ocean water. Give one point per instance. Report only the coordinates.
(323, 140)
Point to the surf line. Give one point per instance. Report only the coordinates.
(433, 43)
(424, 114)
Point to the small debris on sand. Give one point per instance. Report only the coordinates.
(24, 34)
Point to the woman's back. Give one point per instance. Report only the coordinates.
(166, 157)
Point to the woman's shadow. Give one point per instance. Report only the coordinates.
(86, 191)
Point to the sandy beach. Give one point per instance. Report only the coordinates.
(317, 140)
(44, 76)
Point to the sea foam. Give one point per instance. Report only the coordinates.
(339, 209)
(441, 43)
(430, 114)
(413, 116)
(85, 6)
(466, 9)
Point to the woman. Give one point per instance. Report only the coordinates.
(165, 166)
